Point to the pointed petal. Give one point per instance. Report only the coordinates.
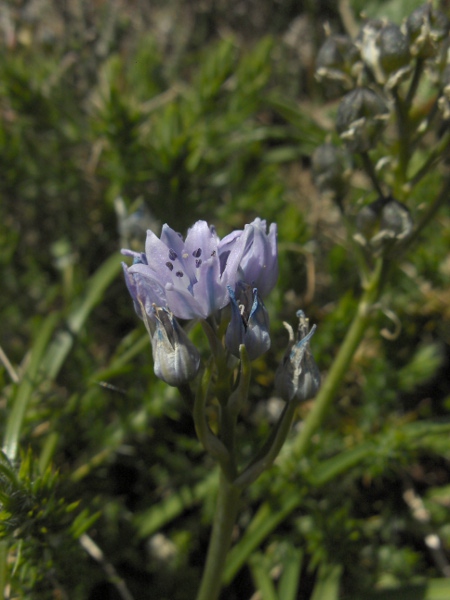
(172, 239)
(234, 259)
(259, 264)
(200, 236)
(152, 283)
(210, 291)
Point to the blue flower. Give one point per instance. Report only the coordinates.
(249, 324)
(259, 264)
(298, 377)
(191, 277)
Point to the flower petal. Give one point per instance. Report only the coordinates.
(183, 304)
(259, 265)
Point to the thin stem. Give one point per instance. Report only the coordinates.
(227, 437)
(240, 393)
(428, 215)
(271, 448)
(187, 396)
(341, 363)
(414, 82)
(224, 519)
(370, 170)
(208, 439)
(403, 134)
(434, 157)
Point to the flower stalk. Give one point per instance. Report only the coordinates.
(222, 531)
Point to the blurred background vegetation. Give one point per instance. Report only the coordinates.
(120, 116)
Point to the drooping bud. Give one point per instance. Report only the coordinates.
(385, 50)
(249, 324)
(382, 224)
(335, 62)
(426, 27)
(330, 170)
(360, 119)
(176, 359)
(298, 377)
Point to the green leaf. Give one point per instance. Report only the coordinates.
(421, 368)
(83, 522)
(261, 577)
(62, 344)
(435, 589)
(292, 566)
(333, 467)
(327, 583)
(27, 386)
(152, 520)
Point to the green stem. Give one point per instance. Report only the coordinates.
(403, 135)
(210, 442)
(271, 448)
(224, 519)
(341, 363)
(415, 82)
(370, 170)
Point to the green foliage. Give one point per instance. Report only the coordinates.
(206, 125)
(41, 526)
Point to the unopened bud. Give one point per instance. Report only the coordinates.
(176, 359)
(361, 117)
(385, 50)
(426, 27)
(249, 324)
(330, 170)
(334, 65)
(382, 224)
(298, 378)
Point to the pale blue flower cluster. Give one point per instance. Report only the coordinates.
(194, 278)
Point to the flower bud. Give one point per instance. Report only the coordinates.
(382, 224)
(385, 50)
(298, 377)
(334, 65)
(330, 170)
(176, 359)
(249, 324)
(360, 119)
(426, 27)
